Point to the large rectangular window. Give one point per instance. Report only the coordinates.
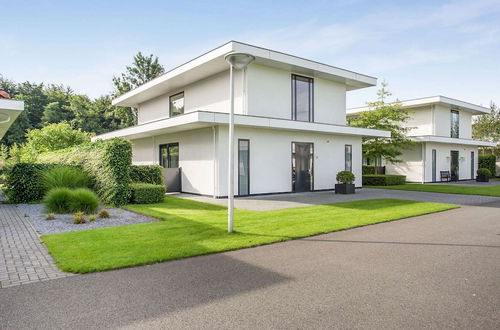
(243, 167)
(302, 98)
(348, 157)
(455, 124)
(177, 104)
(169, 155)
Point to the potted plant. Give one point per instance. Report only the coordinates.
(483, 175)
(345, 183)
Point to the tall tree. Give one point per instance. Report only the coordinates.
(487, 128)
(385, 116)
(142, 70)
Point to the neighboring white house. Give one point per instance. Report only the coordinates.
(290, 116)
(442, 130)
(9, 111)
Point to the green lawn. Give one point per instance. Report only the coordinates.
(191, 228)
(446, 189)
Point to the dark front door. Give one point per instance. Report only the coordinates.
(472, 165)
(302, 166)
(454, 165)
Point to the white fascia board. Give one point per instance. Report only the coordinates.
(213, 62)
(199, 119)
(9, 104)
(9, 111)
(416, 103)
(449, 140)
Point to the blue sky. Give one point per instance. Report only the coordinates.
(421, 48)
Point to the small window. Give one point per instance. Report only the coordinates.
(348, 157)
(455, 124)
(177, 104)
(243, 167)
(169, 155)
(302, 98)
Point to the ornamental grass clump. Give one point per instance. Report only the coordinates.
(57, 200)
(83, 200)
(64, 177)
(103, 214)
(79, 218)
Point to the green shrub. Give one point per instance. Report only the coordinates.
(146, 174)
(345, 177)
(83, 200)
(106, 162)
(79, 218)
(483, 172)
(383, 180)
(489, 162)
(24, 182)
(58, 200)
(64, 177)
(368, 169)
(103, 214)
(146, 193)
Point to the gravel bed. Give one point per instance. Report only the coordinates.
(36, 214)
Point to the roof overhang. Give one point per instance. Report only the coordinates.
(201, 119)
(449, 140)
(422, 102)
(213, 62)
(9, 111)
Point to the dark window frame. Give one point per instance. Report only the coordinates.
(248, 183)
(168, 145)
(350, 157)
(291, 164)
(452, 130)
(294, 97)
(170, 104)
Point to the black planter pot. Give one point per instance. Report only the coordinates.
(341, 188)
(482, 178)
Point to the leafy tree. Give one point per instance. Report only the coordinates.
(385, 116)
(487, 128)
(54, 137)
(56, 110)
(142, 70)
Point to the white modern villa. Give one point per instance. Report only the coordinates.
(441, 128)
(290, 123)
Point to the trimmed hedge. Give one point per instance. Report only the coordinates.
(24, 182)
(146, 174)
(146, 193)
(489, 162)
(106, 162)
(368, 169)
(383, 180)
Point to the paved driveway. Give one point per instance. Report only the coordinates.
(438, 271)
(280, 201)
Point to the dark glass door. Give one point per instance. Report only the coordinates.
(302, 166)
(472, 163)
(454, 165)
(433, 165)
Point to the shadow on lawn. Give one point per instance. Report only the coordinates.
(374, 204)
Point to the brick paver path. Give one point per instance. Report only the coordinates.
(23, 257)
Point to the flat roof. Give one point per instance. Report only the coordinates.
(420, 102)
(201, 119)
(9, 111)
(213, 62)
(450, 140)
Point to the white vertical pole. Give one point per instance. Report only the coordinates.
(230, 188)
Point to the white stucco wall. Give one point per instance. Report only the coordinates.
(196, 154)
(442, 122)
(270, 93)
(420, 121)
(411, 164)
(210, 94)
(270, 158)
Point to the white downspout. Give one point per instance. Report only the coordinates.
(424, 163)
(214, 151)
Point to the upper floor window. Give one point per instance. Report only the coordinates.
(302, 98)
(348, 157)
(455, 123)
(177, 104)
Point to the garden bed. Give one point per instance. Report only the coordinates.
(36, 215)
